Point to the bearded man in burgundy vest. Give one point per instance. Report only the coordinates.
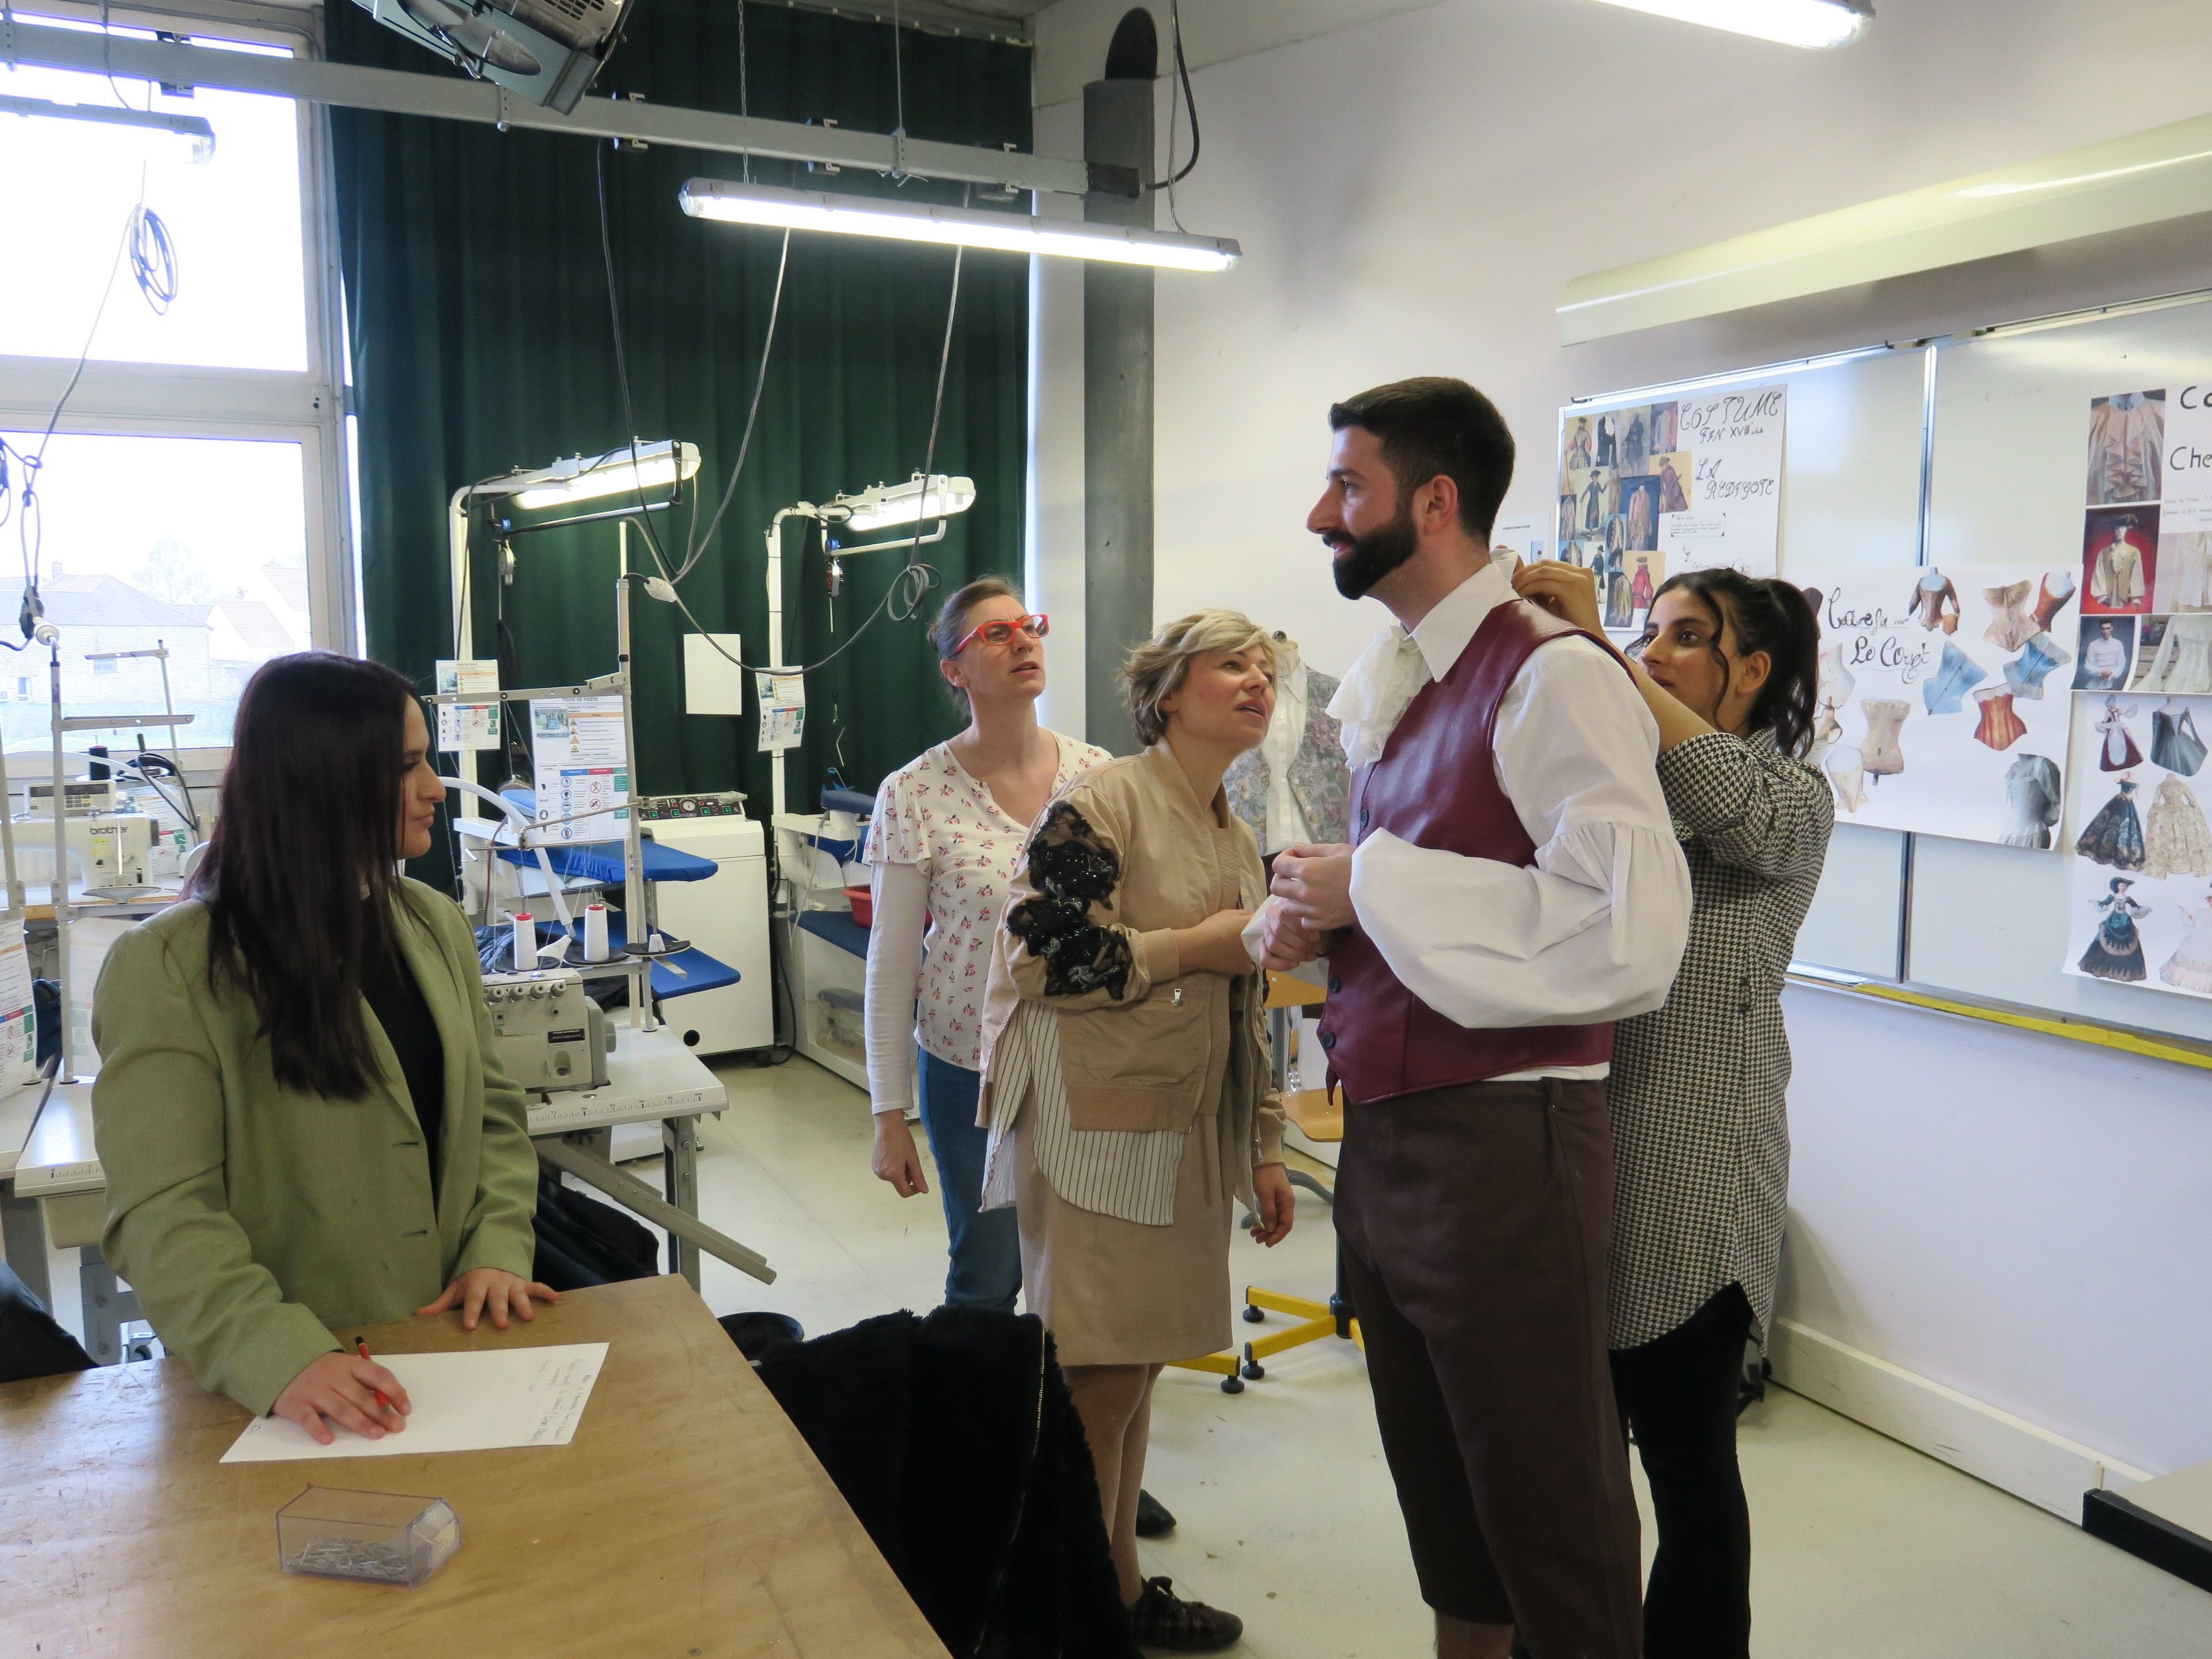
(1513, 886)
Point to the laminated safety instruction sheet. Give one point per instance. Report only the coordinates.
(577, 749)
(483, 1401)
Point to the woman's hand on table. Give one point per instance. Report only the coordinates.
(1567, 591)
(1216, 945)
(342, 1389)
(1275, 1205)
(897, 1160)
(494, 1290)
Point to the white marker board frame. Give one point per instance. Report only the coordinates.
(1995, 424)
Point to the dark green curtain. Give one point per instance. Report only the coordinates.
(478, 303)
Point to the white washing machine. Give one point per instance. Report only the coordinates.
(726, 916)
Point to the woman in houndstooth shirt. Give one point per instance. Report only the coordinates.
(1728, 667)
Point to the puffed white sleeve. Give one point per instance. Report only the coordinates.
(902, 899)
(1594, 930)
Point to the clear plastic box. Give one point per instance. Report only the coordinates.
(378, 1537)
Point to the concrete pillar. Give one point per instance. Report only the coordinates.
(1117, 416)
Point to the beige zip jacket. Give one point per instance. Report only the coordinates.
(1122, 857)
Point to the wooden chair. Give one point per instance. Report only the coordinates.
(1320, 1117)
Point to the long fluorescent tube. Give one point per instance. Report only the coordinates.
(658, 466)
(194, 127)
(881, 505)
(1811, 23)
(918, 221)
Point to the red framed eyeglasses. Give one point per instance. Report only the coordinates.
(998, 632)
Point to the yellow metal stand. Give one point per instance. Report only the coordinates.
(1320, 1117)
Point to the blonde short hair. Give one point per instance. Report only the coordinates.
(1156, 669)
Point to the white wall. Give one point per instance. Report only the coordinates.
(1993, 1211)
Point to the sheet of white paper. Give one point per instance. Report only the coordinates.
(462, 1402)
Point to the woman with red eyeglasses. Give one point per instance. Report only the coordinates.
(948, 829)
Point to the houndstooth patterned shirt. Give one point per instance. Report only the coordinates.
(1700, 1133)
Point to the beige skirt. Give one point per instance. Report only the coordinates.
(1115, 1292)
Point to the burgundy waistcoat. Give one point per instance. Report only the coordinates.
(1435, 784)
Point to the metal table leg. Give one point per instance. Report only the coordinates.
(109, 1305)
(679, 1166)
(23, 1239)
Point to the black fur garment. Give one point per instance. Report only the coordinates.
(1072, 870)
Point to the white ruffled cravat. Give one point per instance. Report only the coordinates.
(1372, 699)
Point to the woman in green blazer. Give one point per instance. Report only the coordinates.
(299, 1106)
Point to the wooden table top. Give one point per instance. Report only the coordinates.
(686, 1520)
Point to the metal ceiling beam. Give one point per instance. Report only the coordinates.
(456, 98)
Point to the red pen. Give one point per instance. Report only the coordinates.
(360, 1344)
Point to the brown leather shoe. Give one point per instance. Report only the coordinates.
(1162, 1618)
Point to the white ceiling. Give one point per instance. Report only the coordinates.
(1071, 35)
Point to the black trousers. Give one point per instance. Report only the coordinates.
(1679, 1394)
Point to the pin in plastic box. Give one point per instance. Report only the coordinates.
(379, 1537)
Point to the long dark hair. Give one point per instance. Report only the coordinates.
(309, 827)
(1767, 614)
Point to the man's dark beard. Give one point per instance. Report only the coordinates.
(1363, 561)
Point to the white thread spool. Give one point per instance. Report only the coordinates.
(595, 932)
(525, 943)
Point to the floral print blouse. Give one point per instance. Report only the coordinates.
(933, 814)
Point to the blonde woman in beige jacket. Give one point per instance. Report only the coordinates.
(1125, 1065)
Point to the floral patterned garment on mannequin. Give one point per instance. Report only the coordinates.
(2177, 842)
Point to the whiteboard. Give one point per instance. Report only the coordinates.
(1851, 495)
(2005, 435)
(2011, 426)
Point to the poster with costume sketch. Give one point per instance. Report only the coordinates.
(1943, 706)
(2147, 542)
(1694, 481)
(2141, 854)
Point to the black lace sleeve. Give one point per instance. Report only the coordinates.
(1071, 870)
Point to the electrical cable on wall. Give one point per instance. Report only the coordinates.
(1190, 103)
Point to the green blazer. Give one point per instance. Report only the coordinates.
(255, 1220)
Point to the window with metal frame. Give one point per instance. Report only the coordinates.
(171, 398)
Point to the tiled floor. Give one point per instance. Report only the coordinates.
(1865, 1549)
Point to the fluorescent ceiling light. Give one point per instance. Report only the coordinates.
(657, 466)
(881, 505)
(194, 127)
(1813, 23)
(918, 221)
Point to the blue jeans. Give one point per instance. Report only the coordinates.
(986, 1245)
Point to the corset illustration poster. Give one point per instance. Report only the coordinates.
(1943, 703)
(2141, 847)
